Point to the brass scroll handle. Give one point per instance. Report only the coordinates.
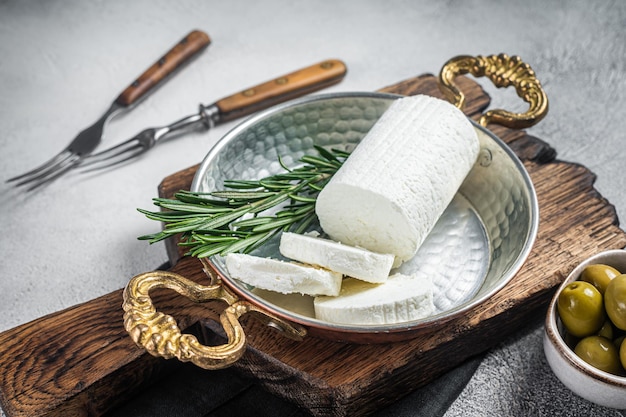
(503, 71)
(159, 334)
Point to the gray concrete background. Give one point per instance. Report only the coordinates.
(63, 62)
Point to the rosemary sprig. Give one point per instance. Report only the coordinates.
(235, 219)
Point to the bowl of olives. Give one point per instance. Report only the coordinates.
(585, 328)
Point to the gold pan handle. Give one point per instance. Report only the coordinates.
(503, 71)
(159, 334)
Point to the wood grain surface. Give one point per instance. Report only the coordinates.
(175, 58)
(80, 361)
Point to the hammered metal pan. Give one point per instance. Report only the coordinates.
(482, 239)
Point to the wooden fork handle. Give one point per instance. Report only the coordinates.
(184, 50)
(286, 87)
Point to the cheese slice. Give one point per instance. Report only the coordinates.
(283, 277)
(397, 182)
(294, 303)
(348, 260)
(401, 298)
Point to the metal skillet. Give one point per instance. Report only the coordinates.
(476, 248)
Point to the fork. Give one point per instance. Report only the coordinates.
(88, 139)
(286, 87)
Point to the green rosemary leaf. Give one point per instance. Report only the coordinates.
(183, 226)
(205, 238)
(302, 198)
(190, 208)
(275, 184)
(198, 198)
(270, 202)
(260, 242)
(247, 242)
(339, 153)
(242, 184)
(317, 187)
(153, 238)
(206, 250)
(238, 196)
(225, 219)
(283, 213)
(219, 222)
(319, 162)
(276, 224)
(305, 223)
(255, 221)
(282, 164)
(324, 153)
(151, 215)
(295, 210)
(172, 216)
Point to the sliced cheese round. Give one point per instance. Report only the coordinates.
(401, 298)
(395, 185)
(283, 277)
(348, 260)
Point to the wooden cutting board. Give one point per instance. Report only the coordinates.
(80, 361)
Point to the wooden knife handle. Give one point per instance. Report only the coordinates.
(286, 87)
(187, 48)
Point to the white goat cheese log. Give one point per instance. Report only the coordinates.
(348, 260)
(283, 277)
(397, 182)
(401, 298)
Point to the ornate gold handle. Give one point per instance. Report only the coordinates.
(503, 71)
(159, 334)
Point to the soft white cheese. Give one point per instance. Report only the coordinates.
(348, 260)
(401, 298)
(283, 277)
(390, 192)
(294, 303)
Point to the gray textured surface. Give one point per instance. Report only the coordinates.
(64, 61)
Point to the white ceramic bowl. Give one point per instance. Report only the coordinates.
(583, 379)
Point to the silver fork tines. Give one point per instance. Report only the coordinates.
(59, 169)
(123, 152)
(42, 169)
(145, 140)
(84, 143)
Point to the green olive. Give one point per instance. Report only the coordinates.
(599, 275)
(615, 301)
(618, 342)
(600, 353)
(622, 354)
(581, 308)
(606, 330)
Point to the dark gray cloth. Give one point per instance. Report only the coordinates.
(193, 392)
